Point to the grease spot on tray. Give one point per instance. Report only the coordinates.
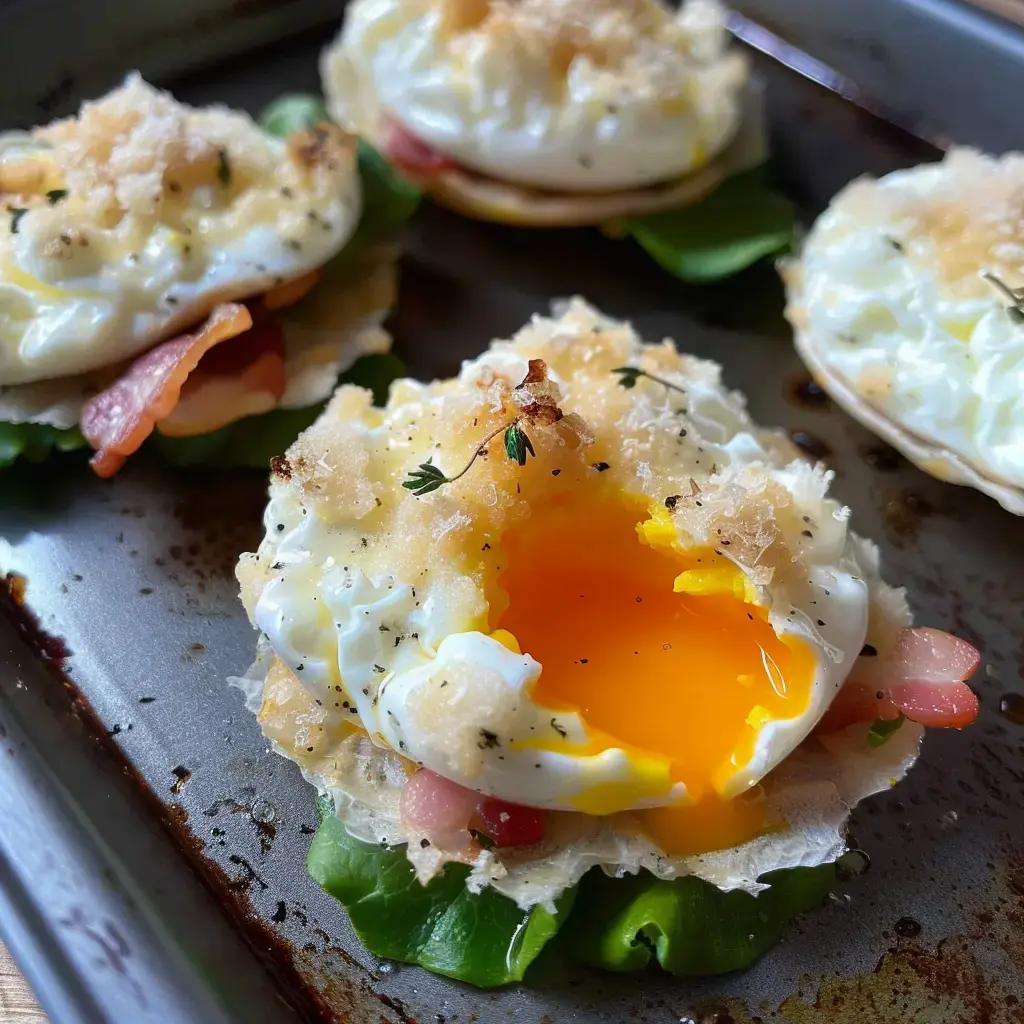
(810, 445)
(905, 512)
(882, 458)
(806, 391)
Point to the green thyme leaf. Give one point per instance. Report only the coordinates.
(517, 444)
(55, 195)
(425, 479)
(16, 212)
(882, 729)
(1015, 310)
(223, 167)
(628, 375)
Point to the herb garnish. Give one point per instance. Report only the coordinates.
(517, 445)
(16, 212)
(1015, 311)
(427, 477)
(223, 167)
(629, 375)
(55, 195)
(537, 399)
(883, 728)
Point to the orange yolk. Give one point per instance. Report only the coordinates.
(689, 679)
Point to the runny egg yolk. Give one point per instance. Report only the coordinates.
(661, 653)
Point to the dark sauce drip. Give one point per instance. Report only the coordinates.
(805, 390)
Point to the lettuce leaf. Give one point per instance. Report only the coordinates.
(35, 442)
(252, 442)
(483, 939)
(689, 926)
(388, 199)
(741, 222)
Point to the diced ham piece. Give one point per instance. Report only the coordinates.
(443, 812)
(415, 157)
(856, 702)
(439, 809)
(118, 420)
(923, 678)
(512, 824)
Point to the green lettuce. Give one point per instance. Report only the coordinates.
(252, 442)
(35, 442)
(741, 222)
(389, 200)
(688, 926)
(483, 939)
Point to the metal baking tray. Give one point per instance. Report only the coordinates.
(152, 849)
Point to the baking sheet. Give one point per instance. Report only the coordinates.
(135, 575)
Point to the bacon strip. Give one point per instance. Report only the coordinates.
(415, 157)
(117, 421)
(243, 376)
(923, 678)
(290, 292)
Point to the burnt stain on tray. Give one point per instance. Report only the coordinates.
(336, 999)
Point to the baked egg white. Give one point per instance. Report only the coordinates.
(576, 96)
(652, 612)
(132, 220)
(906, 303)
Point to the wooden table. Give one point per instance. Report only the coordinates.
(17, 1004)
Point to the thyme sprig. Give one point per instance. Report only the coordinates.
(427, 477)
(223, 166)
(1015, 311)
(629, 375)
(16, 212)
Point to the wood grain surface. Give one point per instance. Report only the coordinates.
(17, 1004)
(1012, 9)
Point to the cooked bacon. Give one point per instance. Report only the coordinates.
(288, 293)
(415, 157)
(117, 421)
(923, 679)
(512, 824)
(243, 376)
